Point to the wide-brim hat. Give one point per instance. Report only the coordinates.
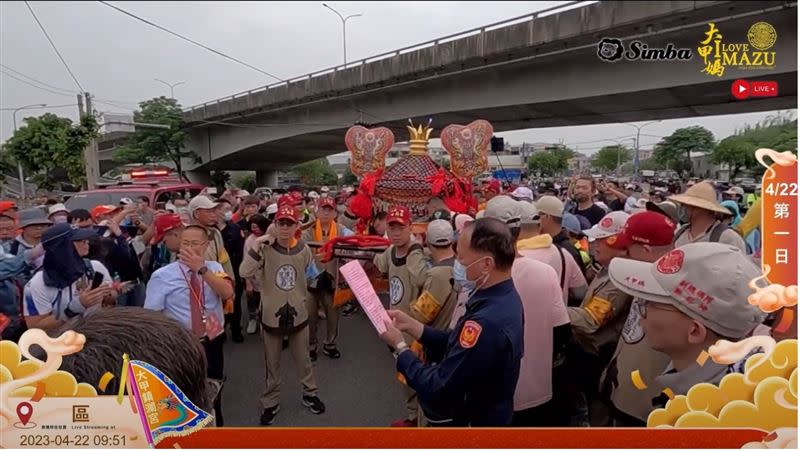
(701, 195)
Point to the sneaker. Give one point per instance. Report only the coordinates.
(404, 423)
(268, 415)
(252, 326)
(314, 404)
(331, 351)
(313, 354)
(349, 309)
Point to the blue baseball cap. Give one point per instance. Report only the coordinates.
(67, 231)
(571, 223)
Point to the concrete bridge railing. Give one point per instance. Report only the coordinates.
(443, 51)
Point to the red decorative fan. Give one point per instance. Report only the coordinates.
(368, 148)
(468, 147)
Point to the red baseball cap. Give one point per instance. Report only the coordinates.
(101, 210)
(288, 199)
(164, 223)
(6, 205)
(287, 212)
(297, 195)
(493, 186)
(399, 214)
(330, 202)
(646, 227)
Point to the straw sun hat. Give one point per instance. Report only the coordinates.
(702, 195)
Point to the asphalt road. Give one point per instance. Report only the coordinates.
(358, 389)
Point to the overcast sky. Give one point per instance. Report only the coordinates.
(116, 58)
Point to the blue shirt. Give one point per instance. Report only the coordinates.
(477, 363)
(168, 291)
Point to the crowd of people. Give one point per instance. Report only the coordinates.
(531, 310)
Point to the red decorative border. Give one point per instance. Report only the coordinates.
(464, 438)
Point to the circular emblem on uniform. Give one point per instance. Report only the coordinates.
(396, 290)
(286, 277)
(670, 263)
(632, 331)
(606, 222)
(762, 35)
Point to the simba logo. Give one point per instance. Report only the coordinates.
(612, 50)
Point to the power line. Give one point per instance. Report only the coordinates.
(37, 81)
(33, 85)
(67, 92)
(44, 107)
(217, 52)
(52, 44)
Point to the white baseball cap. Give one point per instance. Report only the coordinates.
(505, 209)
(608, 226)
(439, 233)
(523, 193)
(325, 189)
(707, 281)
(201, 202)
(313, 194)
(57, 208)
(272, 209)
(528, 213)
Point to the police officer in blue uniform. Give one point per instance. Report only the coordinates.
(471, 372)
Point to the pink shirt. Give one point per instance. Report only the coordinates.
(573, 277)
(544, 309)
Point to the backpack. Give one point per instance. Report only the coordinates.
(716, 233)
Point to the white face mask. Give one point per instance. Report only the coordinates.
(60, 219)
(228, 215)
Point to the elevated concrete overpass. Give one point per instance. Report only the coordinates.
(536, 71)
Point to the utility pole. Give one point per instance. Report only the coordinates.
(90, 152)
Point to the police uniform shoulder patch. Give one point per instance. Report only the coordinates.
(470, 333)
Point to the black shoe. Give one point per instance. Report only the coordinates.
(331, 351)
(268, 415)
(237, 337)
(314, 404)
(313, 354)
(285, 344)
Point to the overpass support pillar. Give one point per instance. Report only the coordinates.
(199, 177)
(267, 178)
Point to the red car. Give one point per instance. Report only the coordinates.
(158, 194)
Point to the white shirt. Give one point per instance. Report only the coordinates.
(41, 299)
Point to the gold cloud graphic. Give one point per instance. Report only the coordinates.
(764, 397)
(773, 297)
(33, 379)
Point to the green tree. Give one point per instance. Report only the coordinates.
(674, 151)
(48, 145)
(544, 163)
(550, 162)
(348, 178)
(738, 151)
(317, 172)
(220, 179)
(245, 181)
(153, 145)
(609, 157)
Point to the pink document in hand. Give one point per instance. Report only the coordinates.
(359, 282)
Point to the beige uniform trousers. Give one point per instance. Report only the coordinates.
(298, 346)
(322, 298)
